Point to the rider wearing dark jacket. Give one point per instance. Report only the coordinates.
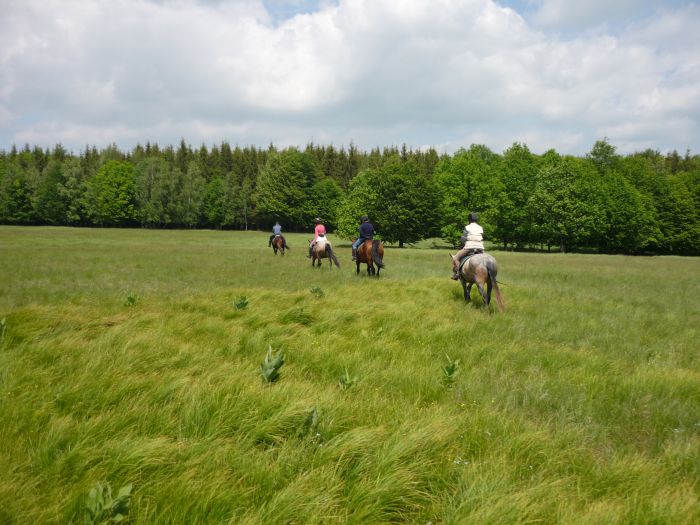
(366, 233)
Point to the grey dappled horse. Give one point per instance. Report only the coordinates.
(480, 269)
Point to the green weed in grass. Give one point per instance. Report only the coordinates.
(131, 299)
(317, 291)
(346, 380)
(449, 371)
(240, 303)
(270, 367)
(101, 507)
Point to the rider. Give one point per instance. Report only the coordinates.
(366, 233)
(473, 235)
(319, 231)
(276, 230)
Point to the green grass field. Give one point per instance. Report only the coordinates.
(125, 360)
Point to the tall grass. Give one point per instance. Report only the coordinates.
(579, 404)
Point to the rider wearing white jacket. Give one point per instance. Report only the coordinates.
(474, 234)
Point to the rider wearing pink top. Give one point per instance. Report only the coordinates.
(319, 230)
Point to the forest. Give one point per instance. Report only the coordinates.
(641, 203)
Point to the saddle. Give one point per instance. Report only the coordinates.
(466, 258)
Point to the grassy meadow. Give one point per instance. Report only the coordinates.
(133, 357)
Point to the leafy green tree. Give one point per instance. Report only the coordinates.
(400, 202)
(326, 195)
(603, 156)
(111, 194)
(284, 188)
(468, 182)
(362, 198)
(566, 205)
(518, 174)
(630, 223)
(407, 204)
(679, 212)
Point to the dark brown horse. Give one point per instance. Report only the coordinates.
(481, 270)
(370, 252)
(279, 244)
(323, 250)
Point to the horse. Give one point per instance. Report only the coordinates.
(279, 243)
(370, 252)
(480, 269)
(323, 250)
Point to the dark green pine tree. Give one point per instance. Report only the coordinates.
(15, 195)
(49, 203)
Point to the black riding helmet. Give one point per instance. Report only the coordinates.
(473, 217)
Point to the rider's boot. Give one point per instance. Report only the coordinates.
(354, 254)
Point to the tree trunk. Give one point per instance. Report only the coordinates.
(400, 244)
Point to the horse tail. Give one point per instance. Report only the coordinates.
(331, 255)
(491, 268)
(375, 254)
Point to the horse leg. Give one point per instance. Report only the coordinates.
(489, 286)
(467, 290)
(358, 267)
(483, 294)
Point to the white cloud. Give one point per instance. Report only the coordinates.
(377, 72)
(567, 15)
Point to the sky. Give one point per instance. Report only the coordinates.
(446, 74)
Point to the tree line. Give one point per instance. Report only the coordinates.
(644, 202)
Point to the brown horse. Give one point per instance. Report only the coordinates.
(279, 243)
(480, 269)
(323, 250)
(370, 252)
